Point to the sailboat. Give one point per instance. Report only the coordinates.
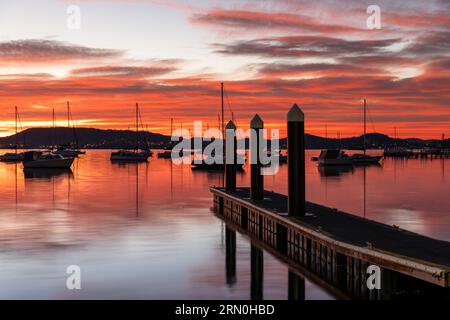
(69, 150)
(14, 156)
(364, 158)
(167, 154)
(202, 165)
(136, 155)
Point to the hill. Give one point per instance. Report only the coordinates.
(90, 138)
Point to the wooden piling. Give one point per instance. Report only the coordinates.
(296, 162)
(230, 255)
(257, 179)
(296, 287)
(257, 272)
(230, 157)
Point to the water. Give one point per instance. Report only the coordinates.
(146, 231)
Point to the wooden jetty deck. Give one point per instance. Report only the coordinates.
(336, 240)
(333, 246)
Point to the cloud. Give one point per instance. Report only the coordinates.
(315, 69)
(123, 71)
(304, 46)
(240, 19)
(37, 51)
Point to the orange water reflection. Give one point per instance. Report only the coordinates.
(146, 231)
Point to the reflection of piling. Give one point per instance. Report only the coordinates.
(231, 157)
(230, 255)
(296, 161)
(257, 179)
(296, 287)
(257, 271)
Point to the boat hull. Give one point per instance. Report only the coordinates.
(49, 163)
(12, 157)
(368, 160)
(214, 167)
(138, 157)
(335, 162)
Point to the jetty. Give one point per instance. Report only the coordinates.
(332, 248)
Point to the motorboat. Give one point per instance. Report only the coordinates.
(334, 158)
(38, 159)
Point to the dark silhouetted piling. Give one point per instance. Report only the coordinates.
(296, 162)
(257, 179)
(230, 157)
(296, 287)
(230, 255)
(257, 273)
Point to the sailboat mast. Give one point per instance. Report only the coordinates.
(365, 125)
(68, 114)
(15, 109)
(223, 116)
(137, 127)
(54, 128)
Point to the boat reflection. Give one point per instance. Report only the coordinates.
(335, 171)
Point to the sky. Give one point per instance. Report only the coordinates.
(171, 56)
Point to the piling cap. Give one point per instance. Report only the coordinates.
(230, 125)
(257, 122)
(295, 114)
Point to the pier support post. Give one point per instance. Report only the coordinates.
(257, 272)
(296, 287)
(296, 162)
(230, 256)
(231, 157)
(257, 179)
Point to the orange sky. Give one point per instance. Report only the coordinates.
(171, 57)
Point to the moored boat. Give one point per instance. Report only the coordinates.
(14, 156)
(130, 156)
(136, 155)
(364, 158)
(334, 158)
(38, 159)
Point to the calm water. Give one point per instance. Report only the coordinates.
(146, 231)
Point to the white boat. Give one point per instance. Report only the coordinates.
(13, 156)
(38, 159)
(334, 158)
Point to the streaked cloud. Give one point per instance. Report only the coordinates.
(35, 51)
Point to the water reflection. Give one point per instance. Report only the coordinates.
(334, 171)
(147, 229)
(41, 173)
